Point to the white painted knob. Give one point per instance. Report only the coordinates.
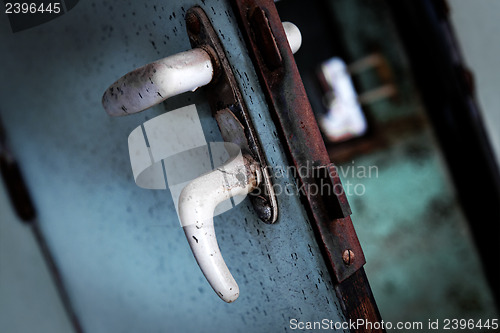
(293, 35)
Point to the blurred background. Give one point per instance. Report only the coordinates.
(427, 214)
(377, 78)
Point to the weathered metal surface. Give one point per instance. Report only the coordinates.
(231, 129)
(358, 301)
(122, 256)
(333, 195)
(264, 37)
(224, 96)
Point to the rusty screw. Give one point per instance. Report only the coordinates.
(348, 257)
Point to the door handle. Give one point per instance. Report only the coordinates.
(197, 203)
(153, 83)
(204, 65)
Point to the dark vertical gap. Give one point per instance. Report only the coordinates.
(446, 87)
(56, 277)
(24, 207)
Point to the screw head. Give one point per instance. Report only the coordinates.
(262, 208)
(348, 257)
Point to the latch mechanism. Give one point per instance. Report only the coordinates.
(230, 110)
(205, 65)
(272, 56)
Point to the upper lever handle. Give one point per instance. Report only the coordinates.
(153, 83)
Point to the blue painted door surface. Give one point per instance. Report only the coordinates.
(122, 255)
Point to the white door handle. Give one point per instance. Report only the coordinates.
(197, 200)
(157, 81)
(197, 203)
(153, 83)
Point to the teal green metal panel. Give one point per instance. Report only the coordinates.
(122, 255)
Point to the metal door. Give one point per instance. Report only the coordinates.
(122, 258)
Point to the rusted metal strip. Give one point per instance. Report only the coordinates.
(288, 102)
(357, 300)
(287, 98)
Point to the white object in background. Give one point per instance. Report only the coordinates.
(344, 118)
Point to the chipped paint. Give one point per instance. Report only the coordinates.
(155, 82)
(197, 204)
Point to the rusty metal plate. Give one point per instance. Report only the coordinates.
(230, 110)
(290, 106)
